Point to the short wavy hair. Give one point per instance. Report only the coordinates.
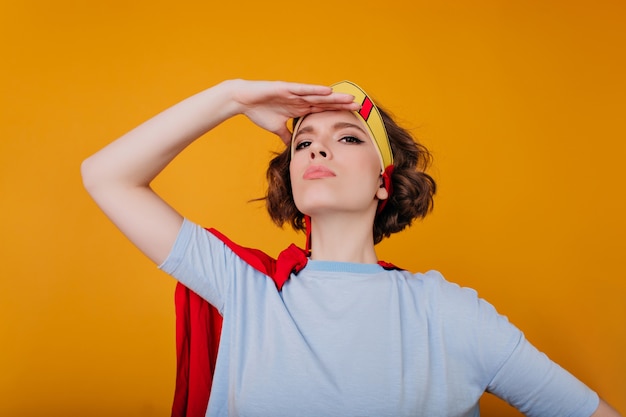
(413, 189)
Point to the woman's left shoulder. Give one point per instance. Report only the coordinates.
(434, 281)
(449, 297)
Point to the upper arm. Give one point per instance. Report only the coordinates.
(143, 217)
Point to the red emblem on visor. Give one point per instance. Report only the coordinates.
(366, 108)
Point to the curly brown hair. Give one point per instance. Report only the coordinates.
(413, 188)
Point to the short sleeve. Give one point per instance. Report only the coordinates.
(506, 364)
(201, 262)
(535, 385)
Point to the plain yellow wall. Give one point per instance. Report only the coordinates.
(522, 103)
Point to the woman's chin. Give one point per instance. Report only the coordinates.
(320, 208)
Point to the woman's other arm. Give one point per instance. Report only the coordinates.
(605, 410)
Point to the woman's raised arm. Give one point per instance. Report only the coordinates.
(118, 177)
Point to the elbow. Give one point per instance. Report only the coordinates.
(95, 176)
(88, 175)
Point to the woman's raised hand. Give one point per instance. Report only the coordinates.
(118, 176)
(270, 104)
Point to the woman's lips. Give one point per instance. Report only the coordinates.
(314, 172)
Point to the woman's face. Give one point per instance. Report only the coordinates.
(335, 166)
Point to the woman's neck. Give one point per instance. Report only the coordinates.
(342, 238)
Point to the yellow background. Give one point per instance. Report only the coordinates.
(521, 103)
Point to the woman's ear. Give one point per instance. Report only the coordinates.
(382, 193)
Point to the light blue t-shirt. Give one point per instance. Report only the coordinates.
(345, 339)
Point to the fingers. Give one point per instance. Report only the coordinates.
(309, 89)
(318, 94)
(334, 106)
(334, 98)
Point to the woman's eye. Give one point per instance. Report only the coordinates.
(351, 139)
(303, 144)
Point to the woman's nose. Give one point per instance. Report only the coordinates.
(318, 149)
(320, 152)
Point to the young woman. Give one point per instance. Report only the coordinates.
(340, 334)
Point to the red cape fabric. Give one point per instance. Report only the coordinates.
(199, 326)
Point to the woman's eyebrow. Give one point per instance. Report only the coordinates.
(305, 129)
(342, 125)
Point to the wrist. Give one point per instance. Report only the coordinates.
(227, 91)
